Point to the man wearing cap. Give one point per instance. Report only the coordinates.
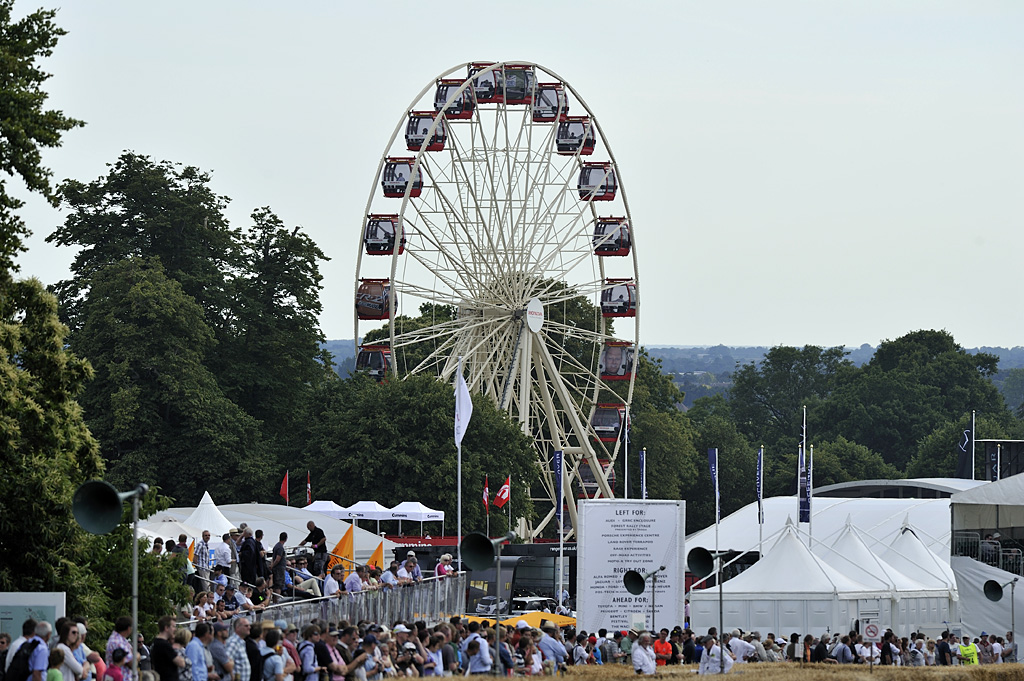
(223, 665)
(740, 648)
(549, 646)
(644, 658)
(711, 662)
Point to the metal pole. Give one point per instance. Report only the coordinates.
(721, 607)
(643, 473)
(135, 585)
(458, 474)
(496, 663)
(810, 495)
(654, 587)
(625, 458)
(561, 521)
(1013, 612)
(973, 413)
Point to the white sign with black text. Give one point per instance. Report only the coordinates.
(619, 535)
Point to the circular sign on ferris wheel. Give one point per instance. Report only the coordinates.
(535, 315)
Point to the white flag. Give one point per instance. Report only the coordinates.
(463, 407)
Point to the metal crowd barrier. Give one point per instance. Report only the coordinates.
(432, 600)
(967, 544)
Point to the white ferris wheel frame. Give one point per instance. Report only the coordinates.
(528, 354)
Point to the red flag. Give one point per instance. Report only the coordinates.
(309, 491)
(501, 498)
(487, 495)
(284, 487)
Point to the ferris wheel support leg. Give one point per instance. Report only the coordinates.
(524, 380)
(557, 442)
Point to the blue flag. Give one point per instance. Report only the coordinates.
(804, 486)
(557, 463)
(713, 463)
(760, 485)
(643, 473)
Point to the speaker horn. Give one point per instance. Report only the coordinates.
(700, 562)
(478, 551)
(635, 582)
(993, 590)
(97, 505)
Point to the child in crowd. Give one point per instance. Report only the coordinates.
(115, 670)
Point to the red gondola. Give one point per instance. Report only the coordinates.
(597, 182)
(520, 82)
(575, 134)
(550, 103)
(618, 299)
(612, 236)
(590, 483)
(395, 179)
(489, 86)
(617, 361)
(418, 126)
(374, 359)
(373, 299)
(459, 110)
(379, 235)
(607, 421)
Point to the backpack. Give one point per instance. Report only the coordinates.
(19, 670)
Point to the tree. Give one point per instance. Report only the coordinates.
(26, 126)
(767, 401)
(394, 442)
(737, 464)
(273, 358)
(154, 210)
(157, 410)
(911, 386)
(939, 451)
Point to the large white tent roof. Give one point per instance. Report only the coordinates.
(328, 508)
(414, 510)
(208, 517)
(993, 505)
(368, 510)
(789, 568)
(850, 554)
(908, 554)
(877, 519)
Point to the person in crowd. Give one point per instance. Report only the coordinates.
(662, 648)
(968, 652)
(236, 649)
(195, 651)
(715, 659)
(248, 557)
(222, 554)
(355, 581)
(279, 563)
(158, 547)
(1009, 648)
(67, 640)
(318, 540)
(115, 672)
(56, 658)
(118, 640)
(645, 659)
(444, 566)
(166, 662)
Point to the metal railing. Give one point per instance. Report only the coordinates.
(432, 600)
(988, 551)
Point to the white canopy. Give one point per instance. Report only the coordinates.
(328, 508)
(208, 517)
(851, 555)
(997, 504)
(168, 528)
(368, 510)
(908, 554)
(790, 568)
(414, 510)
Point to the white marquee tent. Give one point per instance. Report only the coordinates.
(328, 508)
(414, 510)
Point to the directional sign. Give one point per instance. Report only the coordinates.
(872, 633)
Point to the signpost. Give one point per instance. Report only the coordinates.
(872, 634)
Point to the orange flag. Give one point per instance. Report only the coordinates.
(192, 551)
(377, 559)
(343, 549)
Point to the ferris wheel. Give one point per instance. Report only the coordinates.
(497, 231)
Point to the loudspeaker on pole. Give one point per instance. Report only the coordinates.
(700, 562)
(96, 505)
(993, 590)
(478, 551)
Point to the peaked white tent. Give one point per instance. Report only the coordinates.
(789, 589)
(368, 510)
(208, 517)
(328, 508)
(414, 510)
(908, 554)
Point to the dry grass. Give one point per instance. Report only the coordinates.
(811, 672)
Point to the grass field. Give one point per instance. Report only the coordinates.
(783, 670)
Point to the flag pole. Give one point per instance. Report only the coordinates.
(810, 496)
(560, 465)
(972, 443)
(760, 502)
(625, 457)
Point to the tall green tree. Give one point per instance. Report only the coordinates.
(155, 210)
(26, 125)
(911, 386)
(273, 358)
(157, 410)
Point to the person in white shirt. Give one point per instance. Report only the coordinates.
(222, 553)
(740, 648)
(712, 659)
(332, 584)
(1009, 648)
(997, 649)
(644, 660)
(867, 652)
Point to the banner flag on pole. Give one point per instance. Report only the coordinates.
(803, 487)
(557, 464)
(501, 498)
(309, 491)
(487, 496)
(463, 408)
(963, 463)
(760, 485)
(192, 551)
(284, 488)
(713, 463)
(643, 473)
(377, 559)
(343, 549)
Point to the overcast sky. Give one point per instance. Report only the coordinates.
(798, 172)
